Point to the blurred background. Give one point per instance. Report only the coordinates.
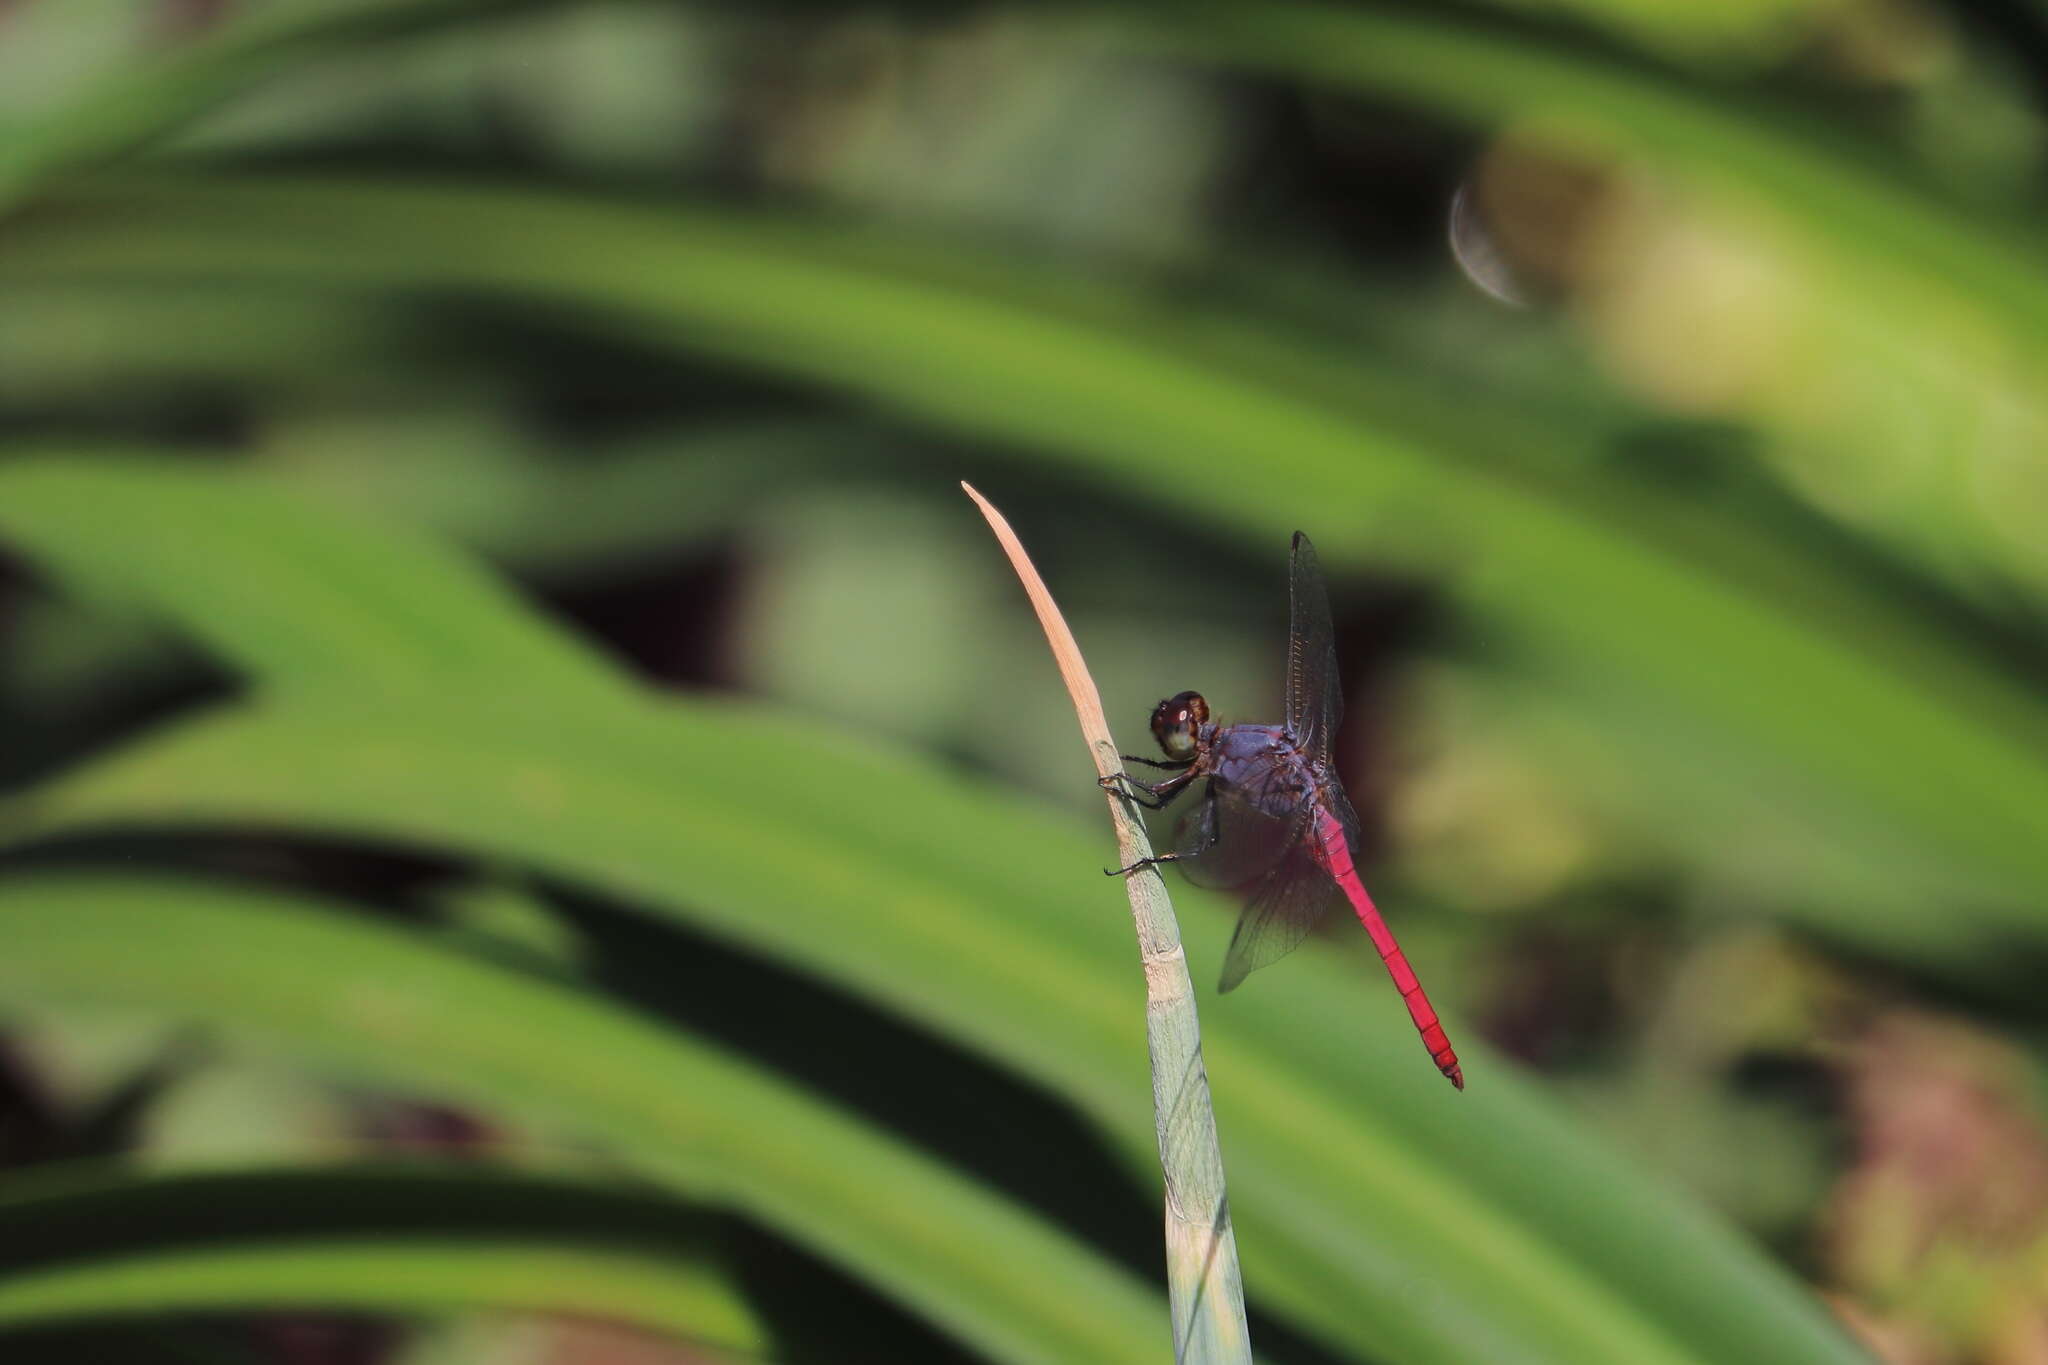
(541, 828)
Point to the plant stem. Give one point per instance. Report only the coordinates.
(1201, 1251)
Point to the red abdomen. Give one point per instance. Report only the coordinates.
(1333, 851)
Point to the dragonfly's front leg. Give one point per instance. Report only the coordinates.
(1128, 787)
(1124, 785)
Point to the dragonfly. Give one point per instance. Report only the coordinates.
(1272, 820)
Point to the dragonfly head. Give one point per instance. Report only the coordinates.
(1177, 724)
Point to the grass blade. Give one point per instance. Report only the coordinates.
(275, 609)
(1202, 1277)
(128, 107)
(384, 1240)
(1359, 1177)
(1484, 73)
(411, 1016)
(1243, 431)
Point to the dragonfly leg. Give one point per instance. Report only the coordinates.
(1128, 787)
(1207, 824)
(1153, 861)
(1159, 792)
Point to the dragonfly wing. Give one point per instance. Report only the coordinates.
(1315, 705)
(1331, 793)
(1290, 902)
(1228, 840)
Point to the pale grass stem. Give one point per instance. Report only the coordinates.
(1204, 1290)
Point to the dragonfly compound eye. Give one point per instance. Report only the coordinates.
(1175, 722)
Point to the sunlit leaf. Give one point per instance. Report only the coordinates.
(1359, 1180)
(390, 1007)
(1884, 767)
(275, 608)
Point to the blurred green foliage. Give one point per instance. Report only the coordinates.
(519, 753)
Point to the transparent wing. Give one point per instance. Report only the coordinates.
(1233, 836)
(1331, 793)
(1290, 902)
(1315, 705)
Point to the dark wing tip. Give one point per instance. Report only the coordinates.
(1301, 539)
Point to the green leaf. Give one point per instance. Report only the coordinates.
(1354, 1179)
(1767, 703)
(1455, 64)
(131, 105)
(390, 1240)
(295, 604)
(391, 1008)
(1374, 1206)
(1827, 182)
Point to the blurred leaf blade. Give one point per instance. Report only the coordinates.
(1326, 1168)
(399, 1277)
(1720, 538)
(130, 106)
(409, 1015)
(1227, 426)
(274, 608)
(396, 1240)
(1458, 65)
(1360, 1177)
(1485, 74)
